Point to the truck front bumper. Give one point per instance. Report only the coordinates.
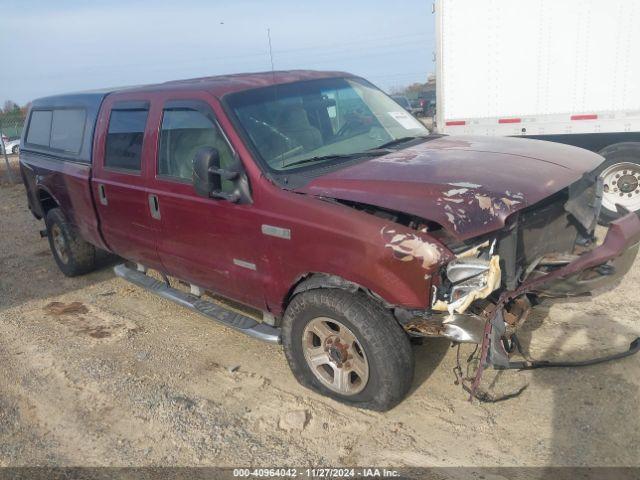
(601, 267)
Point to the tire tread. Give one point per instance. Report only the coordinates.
(385, 338)
(82, 255)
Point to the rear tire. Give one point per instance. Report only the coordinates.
(363, 344)
(71, 252)
(15, 150)
(621, 177)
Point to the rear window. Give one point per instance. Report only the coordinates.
(67, 130)
(40, 128)
(124, 139)
(57, 129)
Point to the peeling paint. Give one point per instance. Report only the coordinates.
(465, 185)
(468, 195)
(456, 191)
(492, 205)
(509, 202)
(518, 195)
(452, 219)
(484, 202)
(407, 247)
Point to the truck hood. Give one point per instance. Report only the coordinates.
(469, 185)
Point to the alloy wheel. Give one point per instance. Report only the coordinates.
(335, 356)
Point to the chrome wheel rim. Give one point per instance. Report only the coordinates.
(59, 244)
(335, 356)
(621, 184)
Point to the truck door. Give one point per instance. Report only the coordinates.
(124, 142)
(205, 241)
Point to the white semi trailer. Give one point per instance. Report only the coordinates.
(567, 71)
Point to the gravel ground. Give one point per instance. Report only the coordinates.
(125, 378)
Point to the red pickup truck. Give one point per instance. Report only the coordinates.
(325, 213)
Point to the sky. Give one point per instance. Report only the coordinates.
(58, 46)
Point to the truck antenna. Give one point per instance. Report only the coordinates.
(273, 78)
(270, 51)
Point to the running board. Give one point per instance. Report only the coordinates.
(216, 312)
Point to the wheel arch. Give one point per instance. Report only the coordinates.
(46, 201)
(317, 280)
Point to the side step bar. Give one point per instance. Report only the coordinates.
(232, 319)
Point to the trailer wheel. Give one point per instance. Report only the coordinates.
(621, 179)
(347, 347)
(71, 252)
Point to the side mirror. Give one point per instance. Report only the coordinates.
(208, 176)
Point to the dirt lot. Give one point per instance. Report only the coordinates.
(131, 379)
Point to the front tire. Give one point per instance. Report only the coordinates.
(621, 179)
(15, 150)
(346, 346)
(71, 252)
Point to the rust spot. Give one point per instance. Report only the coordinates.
(59, 308)
(425, 327)
(517, 312)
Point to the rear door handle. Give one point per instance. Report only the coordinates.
(102, 195)
(154, 206)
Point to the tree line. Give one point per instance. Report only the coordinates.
(12, 109)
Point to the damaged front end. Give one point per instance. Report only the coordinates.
(548, 250)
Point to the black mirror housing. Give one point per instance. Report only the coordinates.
(208, 176)
(204, 181)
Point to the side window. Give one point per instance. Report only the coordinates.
(67, 130)
(184, 132)
(39, 127)
(124, 138)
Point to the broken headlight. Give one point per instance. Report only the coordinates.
(473, 275)
(467, 275)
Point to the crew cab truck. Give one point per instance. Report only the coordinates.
(562, 71)
(325, 213)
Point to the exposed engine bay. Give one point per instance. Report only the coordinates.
(551, 249)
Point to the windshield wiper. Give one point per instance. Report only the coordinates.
(398, 141)
(372, 152)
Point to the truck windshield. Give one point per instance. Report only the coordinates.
(318, 121)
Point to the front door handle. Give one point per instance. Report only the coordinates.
(154, 206)
(102, 195)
